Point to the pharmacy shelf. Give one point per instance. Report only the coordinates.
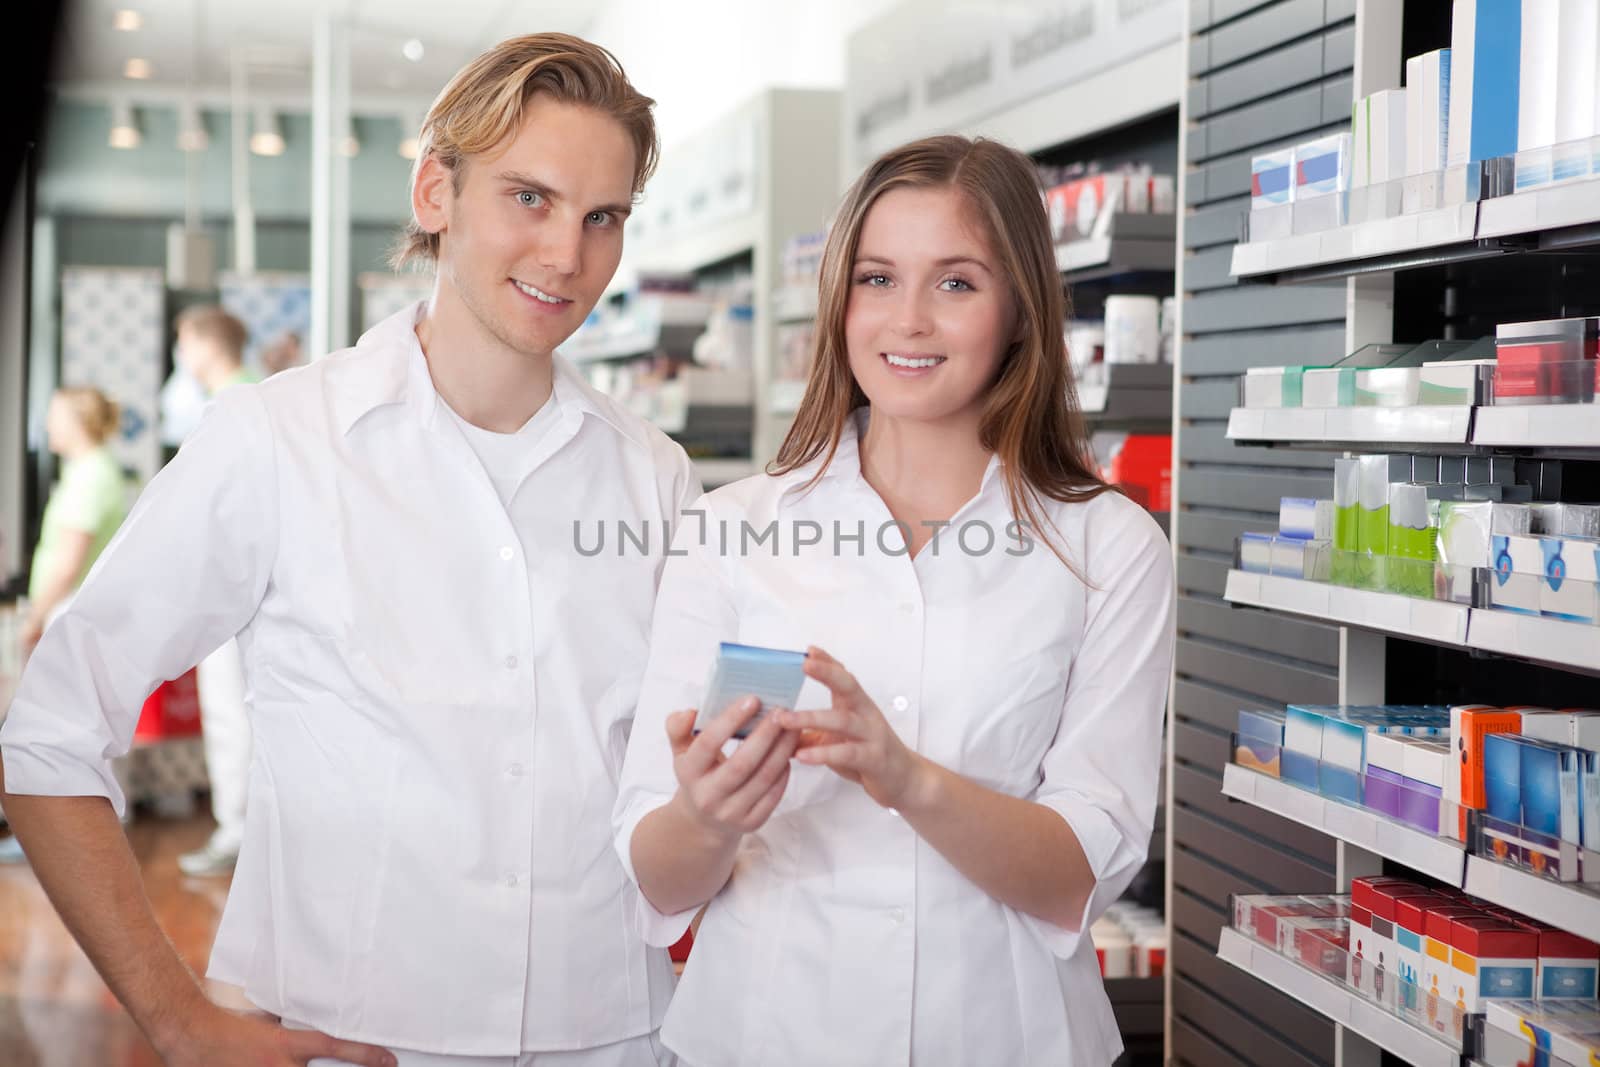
(1573, 908)
(1129, 393)
(1572, 646)
(1337, 1002)
(1353, 429)
(1442, 235)
(795, 303)
(1437, 857)
(659, 322)
(1539, 427)
(1434, 621)
(711, 244)
(1131, 244)
(1557, 207)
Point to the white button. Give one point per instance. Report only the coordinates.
(511, 663)
(515, 770)
(900, 703)
(511, 880)
(506, 552)
(897, 915)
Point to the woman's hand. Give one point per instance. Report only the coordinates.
(854, 740)
(729, 796)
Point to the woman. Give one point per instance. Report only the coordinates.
(910, 874)
(87, 505)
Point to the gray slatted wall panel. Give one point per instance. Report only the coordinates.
(1262, 74)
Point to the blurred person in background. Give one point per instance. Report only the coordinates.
(88, 503)
(211, 344)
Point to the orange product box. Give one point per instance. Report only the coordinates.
(1469, 725)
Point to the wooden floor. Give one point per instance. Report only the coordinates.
(54, 1009)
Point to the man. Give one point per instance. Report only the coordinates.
(441, 683)
(211, 345)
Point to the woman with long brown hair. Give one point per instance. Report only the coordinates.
(908, 875)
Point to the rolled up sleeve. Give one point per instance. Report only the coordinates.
(1103, 770)
(695, 611)
(185, 572)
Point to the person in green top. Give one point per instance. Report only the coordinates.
(87, 505)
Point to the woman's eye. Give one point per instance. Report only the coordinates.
(875, 280)
(955, 285)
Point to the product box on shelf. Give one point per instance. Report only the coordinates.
(1427, 112)
(1502, 789)
(1302, 745)
(1260, 741)
(1491, 959)
(1305, 519)
(1378, 131)
(1577, 727)
(1292, 557)
(1570, 584)
(1569, 965)
(1426, 765)
(1385, 774)
(1343, 755)
(1469, 725)
(1546, 361)
(1410, 931)
(1322, 167)
(1259, 916)
(1371, 938)
(1517, 574)
(1539, 1033)
(1550, 790)
(1323, 944)
(1253, 553)
(1485, 72)
(1442, 1013)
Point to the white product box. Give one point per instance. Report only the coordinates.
(1537, 79)
(1271, 179)
(1263, 387)
(1571, 587)
(1578, 728)
(1306, 519)
(1589, 798)
(1577, 77)
(1379, 136)
(1427, 111)
(1321, 166)
(1485, 60)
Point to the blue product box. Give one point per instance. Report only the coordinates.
(1550, 789)
(1260, 741)
(1272, 178)
(1502, 777)
(1302, 745)
(1255, 553)
(1322, 166)
(1589, 799)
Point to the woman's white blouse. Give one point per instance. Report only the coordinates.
(842, 937)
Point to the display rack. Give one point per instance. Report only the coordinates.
(1550, 219)
(1367, 256)
(1130, 245)
(1338, 1002)
(1437, 857)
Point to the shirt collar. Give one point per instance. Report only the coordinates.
(846, 464)
(387, 366)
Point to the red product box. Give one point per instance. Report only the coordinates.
(1412, 912)
(1264, 920)
(1142, 468)
(1361, 888)
(1322, 944)
(172, 711)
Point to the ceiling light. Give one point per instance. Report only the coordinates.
(412, 50)
(137, 69)
(267, 136)
(127, 20)
(192, 133)
(124, 126)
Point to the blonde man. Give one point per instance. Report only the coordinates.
(441, 684)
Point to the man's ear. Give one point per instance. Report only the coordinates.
(432, 195)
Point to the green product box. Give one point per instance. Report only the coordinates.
(1346, 504)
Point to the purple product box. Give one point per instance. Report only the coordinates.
(1419, 805)
(1384, 791)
